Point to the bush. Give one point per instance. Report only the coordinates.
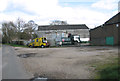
(15, 45)
(110, 72)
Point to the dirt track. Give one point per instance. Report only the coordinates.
(66, 62)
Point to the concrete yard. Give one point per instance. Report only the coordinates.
(12, 68)
(66, 62)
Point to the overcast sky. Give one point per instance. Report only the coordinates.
(89, 12)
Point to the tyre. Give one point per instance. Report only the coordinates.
(42, 46)
(30, 46)
(77, 44)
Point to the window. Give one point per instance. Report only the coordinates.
(36, 40)
(117, 25)
(33, 40)
(44, 40)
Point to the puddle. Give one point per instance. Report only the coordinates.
(102, 49)
(68, 58)
(27, 55)
(98, 49)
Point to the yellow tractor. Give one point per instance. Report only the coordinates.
(39, 42)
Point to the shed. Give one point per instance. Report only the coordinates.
(108, 33)
(55, 32)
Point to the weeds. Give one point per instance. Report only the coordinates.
(108, 70)
(16, 45)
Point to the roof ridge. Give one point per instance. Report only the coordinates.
(62, 27)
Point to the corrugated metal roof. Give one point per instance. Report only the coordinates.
(118, 19)
(109, 23)
(62, 27)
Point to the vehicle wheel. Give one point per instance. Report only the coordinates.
(30, 46)
(42, 46)
(77, 44)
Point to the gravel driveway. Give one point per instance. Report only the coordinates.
(65, 62)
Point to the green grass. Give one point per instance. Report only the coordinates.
(0, 45)
(108, 70)
(16, 45)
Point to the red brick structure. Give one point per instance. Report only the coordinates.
(108, 33)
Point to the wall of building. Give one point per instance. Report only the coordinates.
(54, 36)
(118, 33)
(114, 19)
(98, 36)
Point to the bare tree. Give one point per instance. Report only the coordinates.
(9, 31)
(19, 30)
(31, 29)
(26, 30)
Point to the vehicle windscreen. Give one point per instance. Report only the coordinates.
(32, 41)
(65, 39)
(44, 40)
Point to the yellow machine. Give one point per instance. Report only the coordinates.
(39, 42)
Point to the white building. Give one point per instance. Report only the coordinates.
(55, 32)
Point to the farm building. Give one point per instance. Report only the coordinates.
(108, 33)
(55, 32)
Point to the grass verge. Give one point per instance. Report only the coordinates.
(16, 45)
(108, 70)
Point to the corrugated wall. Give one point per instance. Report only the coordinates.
(54, 36)
(101, 35)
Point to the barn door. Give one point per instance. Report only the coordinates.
(109, 40)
